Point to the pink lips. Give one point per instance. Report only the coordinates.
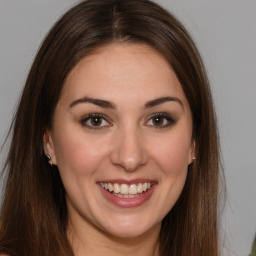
(128, 202)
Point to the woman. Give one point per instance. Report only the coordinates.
(114, 146)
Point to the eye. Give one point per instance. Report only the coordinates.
(160, 120)
(95, 121)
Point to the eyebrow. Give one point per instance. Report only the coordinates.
(98, 102)
(110, 105)
(162, 100)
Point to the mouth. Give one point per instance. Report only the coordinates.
(127, 194)
(124, 190)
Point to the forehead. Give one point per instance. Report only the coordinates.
(118, 70)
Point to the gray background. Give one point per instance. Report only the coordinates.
(225, 32)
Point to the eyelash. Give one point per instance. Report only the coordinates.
(165, 118)
(90, 118)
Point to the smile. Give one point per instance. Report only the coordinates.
(127, 194)
(126, 190)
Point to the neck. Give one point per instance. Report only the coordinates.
(90, 241)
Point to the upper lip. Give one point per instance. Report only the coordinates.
(128, 182)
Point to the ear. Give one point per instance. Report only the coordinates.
(192, 152)
(48, 146)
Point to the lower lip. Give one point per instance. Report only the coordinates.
(128, 202)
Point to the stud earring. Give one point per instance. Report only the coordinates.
(193, 158)
(48, 159)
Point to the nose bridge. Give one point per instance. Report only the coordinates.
(129, 149)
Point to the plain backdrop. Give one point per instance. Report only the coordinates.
(225, 33)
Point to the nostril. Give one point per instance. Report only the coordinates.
(128, 150)
(131, 164)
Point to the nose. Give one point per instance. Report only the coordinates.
(128, 150)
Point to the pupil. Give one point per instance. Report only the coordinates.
(96, 121)
(158, 120)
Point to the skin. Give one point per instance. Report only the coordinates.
(131, 142)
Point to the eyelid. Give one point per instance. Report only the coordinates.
(92, 115)
(168, 117)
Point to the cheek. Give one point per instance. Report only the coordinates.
(172, 158)
(79, 153)
(172, 155)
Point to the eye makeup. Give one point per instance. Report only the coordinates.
(95, 121)
(161, 120)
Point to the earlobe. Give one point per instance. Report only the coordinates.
(192, 153)
(48, 146)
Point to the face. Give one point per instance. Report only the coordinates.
(122, 140)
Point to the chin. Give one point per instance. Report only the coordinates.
(129, 228)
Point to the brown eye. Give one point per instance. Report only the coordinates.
(95, 121)
(160, 120)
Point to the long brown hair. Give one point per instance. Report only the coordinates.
(34, 215)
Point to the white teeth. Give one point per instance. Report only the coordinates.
(126, 196)
(116, 188)
(110, 187)
(125, 190)
(144, 187)
(140, 190)
(133, 189)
